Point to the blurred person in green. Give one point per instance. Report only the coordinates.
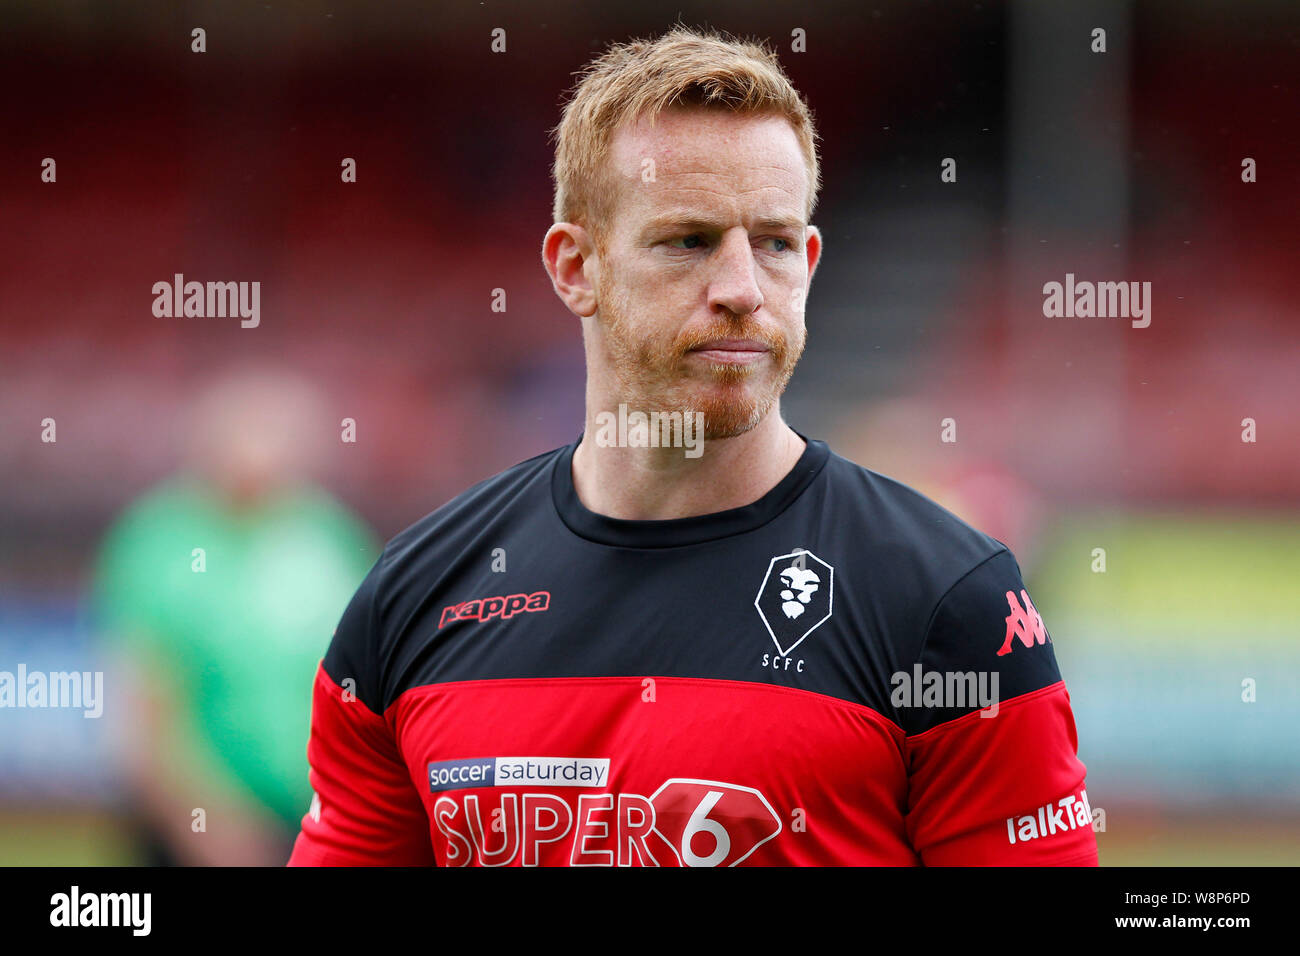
(217, 592)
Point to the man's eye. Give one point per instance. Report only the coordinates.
(687, 242)
(696, 241)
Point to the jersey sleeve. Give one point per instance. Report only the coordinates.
(995, 781)
(364, 810)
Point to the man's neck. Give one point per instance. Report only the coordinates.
(657, 484)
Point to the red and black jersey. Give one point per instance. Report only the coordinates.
(842, 672)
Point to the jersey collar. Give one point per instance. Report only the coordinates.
(677, 532)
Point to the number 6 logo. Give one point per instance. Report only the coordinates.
(708, 823)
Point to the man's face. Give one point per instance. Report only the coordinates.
(707, 259)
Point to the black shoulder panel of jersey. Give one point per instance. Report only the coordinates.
(973, 642)
(411, 566)
(918, 549)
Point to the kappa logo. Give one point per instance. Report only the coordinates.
(1024, 623)
(795, 597)
(485, 609)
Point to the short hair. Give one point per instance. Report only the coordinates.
(639, 79)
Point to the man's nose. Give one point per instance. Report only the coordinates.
(734, 285)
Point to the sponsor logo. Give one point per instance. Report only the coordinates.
(517, 771)
(1068, 813)
(795, 597)
(504, 607)
(686, 822)
(712, 824)
(1024, 623)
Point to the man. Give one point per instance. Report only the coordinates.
(213, 589)
(635, 650)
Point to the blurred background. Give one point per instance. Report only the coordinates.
(186, 511)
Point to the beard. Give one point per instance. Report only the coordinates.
(656, 375)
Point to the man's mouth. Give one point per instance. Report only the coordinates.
(732, 351)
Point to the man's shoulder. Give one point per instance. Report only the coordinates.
(419, 559)
(907, 525)
(947, 581)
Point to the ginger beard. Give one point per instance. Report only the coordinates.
(653, 375)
